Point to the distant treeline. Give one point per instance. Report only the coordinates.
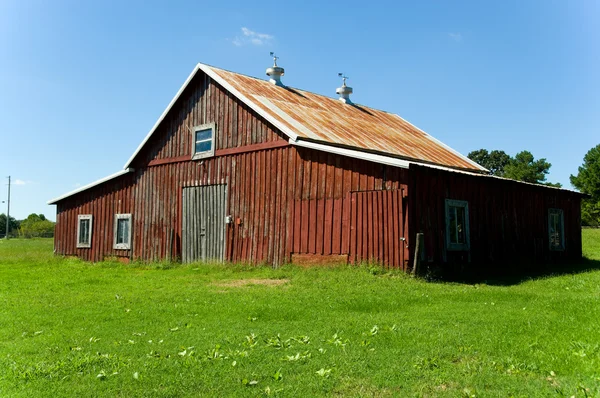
(34, 226)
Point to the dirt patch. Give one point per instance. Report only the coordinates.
(316, 260)
(248, 282)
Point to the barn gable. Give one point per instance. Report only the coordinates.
(205, 102)
(315, 121)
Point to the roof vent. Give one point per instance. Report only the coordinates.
(344, 91)
(275, 72)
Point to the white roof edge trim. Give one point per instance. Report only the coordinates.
(164, 114)
(93, 184)
(405, 164)
(357, 154)
(213, 75)
(471, 173)
(432, 138)
(353, 153)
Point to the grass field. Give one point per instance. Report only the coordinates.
(69, 328)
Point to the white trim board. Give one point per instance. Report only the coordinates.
(372, 157)
(353, 153)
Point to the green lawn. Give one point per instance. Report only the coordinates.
(69, 328)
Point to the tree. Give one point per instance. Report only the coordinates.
(523, 167)
(587, 181)
(14, 225)
(36, 226)
(494, 161)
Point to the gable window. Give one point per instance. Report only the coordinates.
(457, 225)
(556, 229)
(84, 230)
(204, 141)
(122, 239)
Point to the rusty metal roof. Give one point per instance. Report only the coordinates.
(325, 123)
(309, 116)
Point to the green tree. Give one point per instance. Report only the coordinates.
(14, 225)
(495, 161)
(587, 181)
(524, 167)
(35, 226)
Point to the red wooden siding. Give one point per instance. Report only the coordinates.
(508, 220)
(321, 206)
(279, 214)
(378, 228)
(102, 202)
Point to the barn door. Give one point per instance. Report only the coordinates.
(378, 228)
(203, 224)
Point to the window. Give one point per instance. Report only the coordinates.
(556, 229)
(457, 225)
(122, 231)
(84, 230)
(204, 141)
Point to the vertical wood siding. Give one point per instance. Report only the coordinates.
(279, 213)
(321, 205)
(102, 202)
(378, 228)
(508, 220)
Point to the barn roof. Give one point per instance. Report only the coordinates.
(325, 123)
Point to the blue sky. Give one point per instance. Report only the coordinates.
(82, 82)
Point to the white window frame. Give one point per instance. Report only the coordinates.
(458, 246)
(560, 214)
(204, 154)
(88, 244)
(127, 245)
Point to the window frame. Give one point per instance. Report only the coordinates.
(561, 217)
(122, 246)
(204, 154)
(458, 246)
(88, 244)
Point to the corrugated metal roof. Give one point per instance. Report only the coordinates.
(323, 119)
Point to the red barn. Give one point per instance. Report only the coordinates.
(247, 170)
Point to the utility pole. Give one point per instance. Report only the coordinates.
(8, 211)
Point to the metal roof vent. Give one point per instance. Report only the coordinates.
(275, 72)
(344, 91)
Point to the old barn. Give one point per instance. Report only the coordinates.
(250, 170)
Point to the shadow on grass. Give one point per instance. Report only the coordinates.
(511, 276)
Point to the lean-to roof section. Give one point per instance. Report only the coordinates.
(91, 185)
